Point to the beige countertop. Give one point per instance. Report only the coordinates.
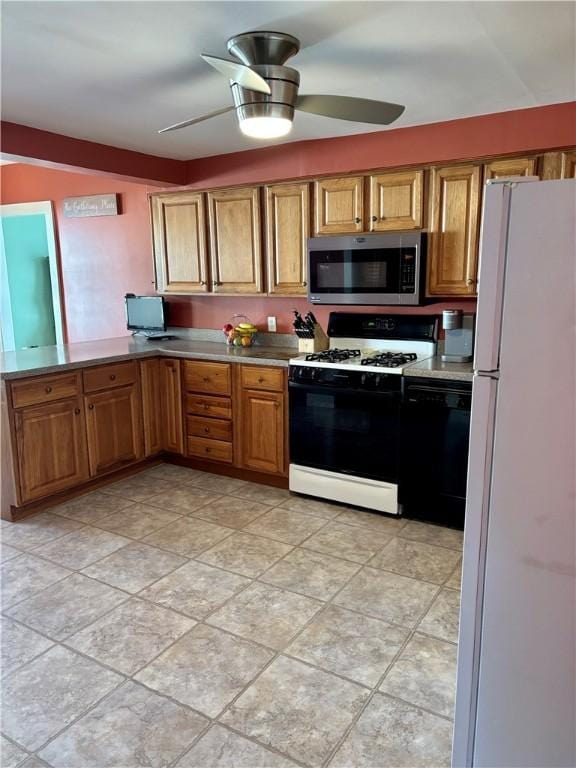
(435, 368)
(33, 362)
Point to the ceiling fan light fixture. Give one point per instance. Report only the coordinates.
(265, 127)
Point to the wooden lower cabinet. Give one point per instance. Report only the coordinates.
(263, 432)
(114, 428)
(51, 448)
(170, 404)
(151, 411)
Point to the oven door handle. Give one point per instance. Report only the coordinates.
(329, 390)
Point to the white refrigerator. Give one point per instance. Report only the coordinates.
(516, 686)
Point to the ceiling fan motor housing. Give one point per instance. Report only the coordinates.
(283, 82)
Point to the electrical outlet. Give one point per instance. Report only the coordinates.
(272, 325)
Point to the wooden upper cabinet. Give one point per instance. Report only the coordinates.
(152, 395)
(114, 428)
(453, 246)
(568, 166)
(287, 232)
(339, 205)
(171, 406)
(514, 166)
(51, 448)
(396, 200)
(235, 243)
(179, 231)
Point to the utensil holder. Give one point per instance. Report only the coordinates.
(318, 344)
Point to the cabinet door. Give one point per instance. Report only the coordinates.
(514, 166)
(171, 406)
(396, 200)
(235, 243)
(287, 232)
(339, 205)
(455, 214)
(114, 428)
(51, 448)
(179, 231)
(568, 169)
(151, 406)
(263, 431)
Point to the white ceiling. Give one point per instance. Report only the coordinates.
(116, 72)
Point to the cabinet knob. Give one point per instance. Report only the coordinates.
(357, 219)
(206, 379)
(471, 281)
(48, 390)
(91, 407)
(112, 377)
(276, 405)
(206, 407)
(261, 380)
(202, 282)
(216, 282)
(207, 429)
(374, 218)
(77, 411)
(304, 283)
(208, 450)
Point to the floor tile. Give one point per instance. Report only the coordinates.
(130, 636)
(82, 548)
(67, 606)
(205, 669)
(174, 473)
(34, 762)
(131, 728)
(387, 596)
(7, 552)
(92, 507)
(372, 520)
(26, 576)
(19, 645)
(134, 567)
(37, 530)
(139, 487)
(183, 499)
(11, 756)
(442, 618)
(217, 483)
(433, 534)
(232, 511)
(265, 494)
(301, 711)
(286, 526)
(391, 733)
(352, 645)
(265, 614)
(48, 693)
(417, 560)
(221, 748)
(348, 541)
(455, 581)
(311, 573)
(195, 589)
(309, 506)
(425, 675)
(138, 521)
(245, 554)
(188, 536)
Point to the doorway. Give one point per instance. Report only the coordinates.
(31, 308)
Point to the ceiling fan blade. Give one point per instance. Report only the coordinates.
(239, 73)
(195, 120)
(351, 108)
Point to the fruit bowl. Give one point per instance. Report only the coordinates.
(240, 331)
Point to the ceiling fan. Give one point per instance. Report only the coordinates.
(265, 92)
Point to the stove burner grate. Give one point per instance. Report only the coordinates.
(390, 359)
(333, 355)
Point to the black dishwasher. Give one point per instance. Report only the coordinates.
(435, 432)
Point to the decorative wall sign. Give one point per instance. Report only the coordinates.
(91, 205)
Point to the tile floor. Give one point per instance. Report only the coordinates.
(181, 619)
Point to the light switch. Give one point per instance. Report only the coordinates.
(272, 324)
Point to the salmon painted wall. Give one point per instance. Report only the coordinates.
(103, 257)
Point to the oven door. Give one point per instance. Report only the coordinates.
(345, 430)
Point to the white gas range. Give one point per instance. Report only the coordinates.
(345, 407)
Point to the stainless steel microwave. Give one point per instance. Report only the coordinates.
(367, 269)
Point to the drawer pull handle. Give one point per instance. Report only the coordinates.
(206, 379)
(261, 380)
(207, 429)
(48, 390)
(208, 450)
(112, 377)
(206, 407)
(91, 407)
(77, 411)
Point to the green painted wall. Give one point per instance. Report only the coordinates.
(28, 267)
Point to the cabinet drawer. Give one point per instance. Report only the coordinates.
(213, 378)
(215, 450)
(217, 407)
(217, 429)
(45, 389)
(258, 377)
(108, 376)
